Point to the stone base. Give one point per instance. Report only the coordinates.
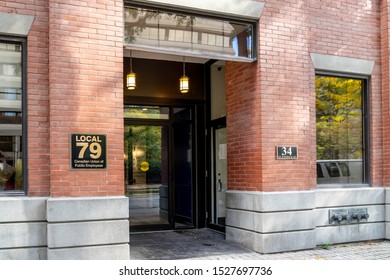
(88, 228)
(64, 228)
(295, 220)
(387, 213)
(23, 230)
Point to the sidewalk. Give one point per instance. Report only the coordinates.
(205, 244)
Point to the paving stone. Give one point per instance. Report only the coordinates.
(205, 244)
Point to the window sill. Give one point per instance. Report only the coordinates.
(12, 193)
(342, 186)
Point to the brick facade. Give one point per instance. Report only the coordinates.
(75, 78)
(273, 103)
(269, 103)
(75, 68)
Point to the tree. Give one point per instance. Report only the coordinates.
(339, 118)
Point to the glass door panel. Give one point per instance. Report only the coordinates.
(219, 177)
(146, 174)
(182, 158)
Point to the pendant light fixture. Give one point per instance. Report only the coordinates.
(131, 77)
(184, 80)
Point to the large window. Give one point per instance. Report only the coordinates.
(11, 118)
(185, 34)
(340, 122)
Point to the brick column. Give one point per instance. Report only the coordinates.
(86, 92)
(86, 96)
(385, 57)
(270, 103)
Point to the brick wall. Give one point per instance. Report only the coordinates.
(38, 100)
(385, 90)
(269, 103)
(86, 91)
(75, 68)
(278, 108)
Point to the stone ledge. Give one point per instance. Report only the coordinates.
(270, 201)
(15, 24)
(272, 242)
(350, 233)
(87, 233)
(346, 197)
(22, 209)
(113, 252)
(24, 254)
(244, 237)
(387, 230)
(87, 209)
(342, 64)
(22, 235)
(285, 241)
(240, 219)
(271, 222)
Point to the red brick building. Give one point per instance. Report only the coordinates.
(280, 140)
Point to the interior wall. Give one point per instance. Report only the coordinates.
(218, 91)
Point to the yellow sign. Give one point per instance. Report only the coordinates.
(144, 166)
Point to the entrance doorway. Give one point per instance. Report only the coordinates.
(159, 166)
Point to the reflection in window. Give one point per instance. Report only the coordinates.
(10, 117)
(195, 34)
(339, 122)
(146, 112)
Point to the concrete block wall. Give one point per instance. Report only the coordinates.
(387, 213)
(64, 228)
(88, 228)
(23, 229)
(271, 222)
(371, 198)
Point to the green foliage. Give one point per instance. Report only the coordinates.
(145, 139)
(18, 174)
(339, 118)
(326, 246)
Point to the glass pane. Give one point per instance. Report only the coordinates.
(146, 112)
(10, 117)
(182, 114)
(339, 121)
(199, 35)
(146, 174)
(182, 138)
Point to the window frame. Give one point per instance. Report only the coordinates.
(365, 126)
(22, 41)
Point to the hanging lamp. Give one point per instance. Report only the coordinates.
(184, 80)
(131, 77)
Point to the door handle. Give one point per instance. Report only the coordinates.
(220, 185)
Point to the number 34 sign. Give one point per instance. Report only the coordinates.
(286, 152)
(88, 151)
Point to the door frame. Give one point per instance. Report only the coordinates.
(211, 205)
(198, 158)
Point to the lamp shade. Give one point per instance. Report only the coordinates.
(131, 81)
(184, 84)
